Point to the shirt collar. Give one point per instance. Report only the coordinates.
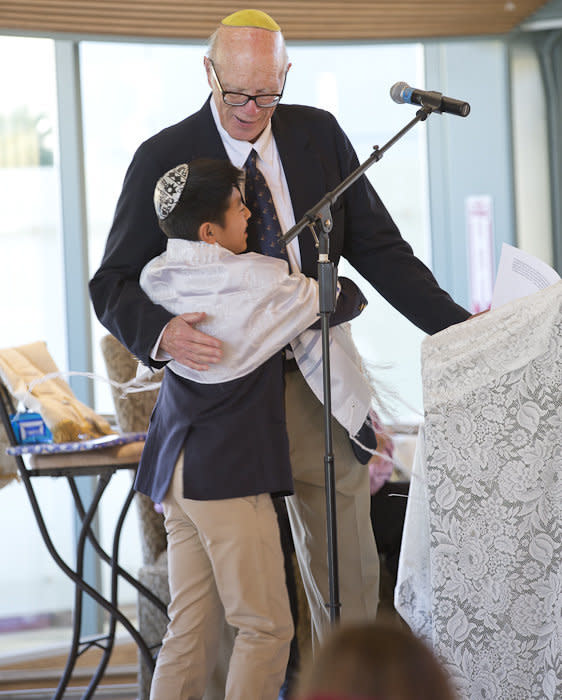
(197, 251)
(238, 151)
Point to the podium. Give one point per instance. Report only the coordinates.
(480, 574)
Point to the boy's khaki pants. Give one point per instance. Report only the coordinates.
(223, 553)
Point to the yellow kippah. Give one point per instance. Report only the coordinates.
(251, 18)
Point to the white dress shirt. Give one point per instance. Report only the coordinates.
(269, 163)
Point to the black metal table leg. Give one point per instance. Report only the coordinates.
(103, 481)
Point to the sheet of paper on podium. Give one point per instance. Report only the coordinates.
(519, 275)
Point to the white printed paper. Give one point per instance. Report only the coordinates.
(520, 274)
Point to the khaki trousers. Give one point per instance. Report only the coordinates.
(357, 553)
(223, 553)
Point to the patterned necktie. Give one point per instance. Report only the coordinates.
(264, 229)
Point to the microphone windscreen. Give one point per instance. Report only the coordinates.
(396, 92)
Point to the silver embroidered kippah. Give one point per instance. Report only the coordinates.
(169, 188)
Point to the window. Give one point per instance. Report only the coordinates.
(130, 91)
(30, 225)
(353, 82)
(32, 589)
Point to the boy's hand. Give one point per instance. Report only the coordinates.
(189, 346)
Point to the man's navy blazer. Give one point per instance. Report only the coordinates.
(316, 156)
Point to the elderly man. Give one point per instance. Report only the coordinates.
(302, 153)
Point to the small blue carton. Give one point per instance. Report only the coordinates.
(30, 428)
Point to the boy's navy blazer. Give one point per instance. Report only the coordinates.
(234, 434)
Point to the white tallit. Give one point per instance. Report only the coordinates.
(256, 308)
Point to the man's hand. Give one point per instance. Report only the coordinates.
(189, 346)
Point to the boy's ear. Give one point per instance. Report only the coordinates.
(206, 233)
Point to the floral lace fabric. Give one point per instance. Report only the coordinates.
(481, 568)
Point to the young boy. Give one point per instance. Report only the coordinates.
(224, 430)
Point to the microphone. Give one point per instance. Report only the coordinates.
(402, 92)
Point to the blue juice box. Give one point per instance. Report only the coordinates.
(30, 428)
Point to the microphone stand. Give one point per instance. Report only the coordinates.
(327, 278)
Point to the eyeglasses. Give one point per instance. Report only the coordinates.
(239, 99)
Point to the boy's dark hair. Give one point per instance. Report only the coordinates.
(205, 197)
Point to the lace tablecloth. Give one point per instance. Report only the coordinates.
(480, 574)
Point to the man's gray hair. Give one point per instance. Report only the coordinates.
(212, 41)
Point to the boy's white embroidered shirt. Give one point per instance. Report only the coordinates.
(255, 308)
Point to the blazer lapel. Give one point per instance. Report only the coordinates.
(303, 170)
(207, 140)
(302, 166)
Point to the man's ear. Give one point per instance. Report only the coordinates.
(207, 71)
(206, 234)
